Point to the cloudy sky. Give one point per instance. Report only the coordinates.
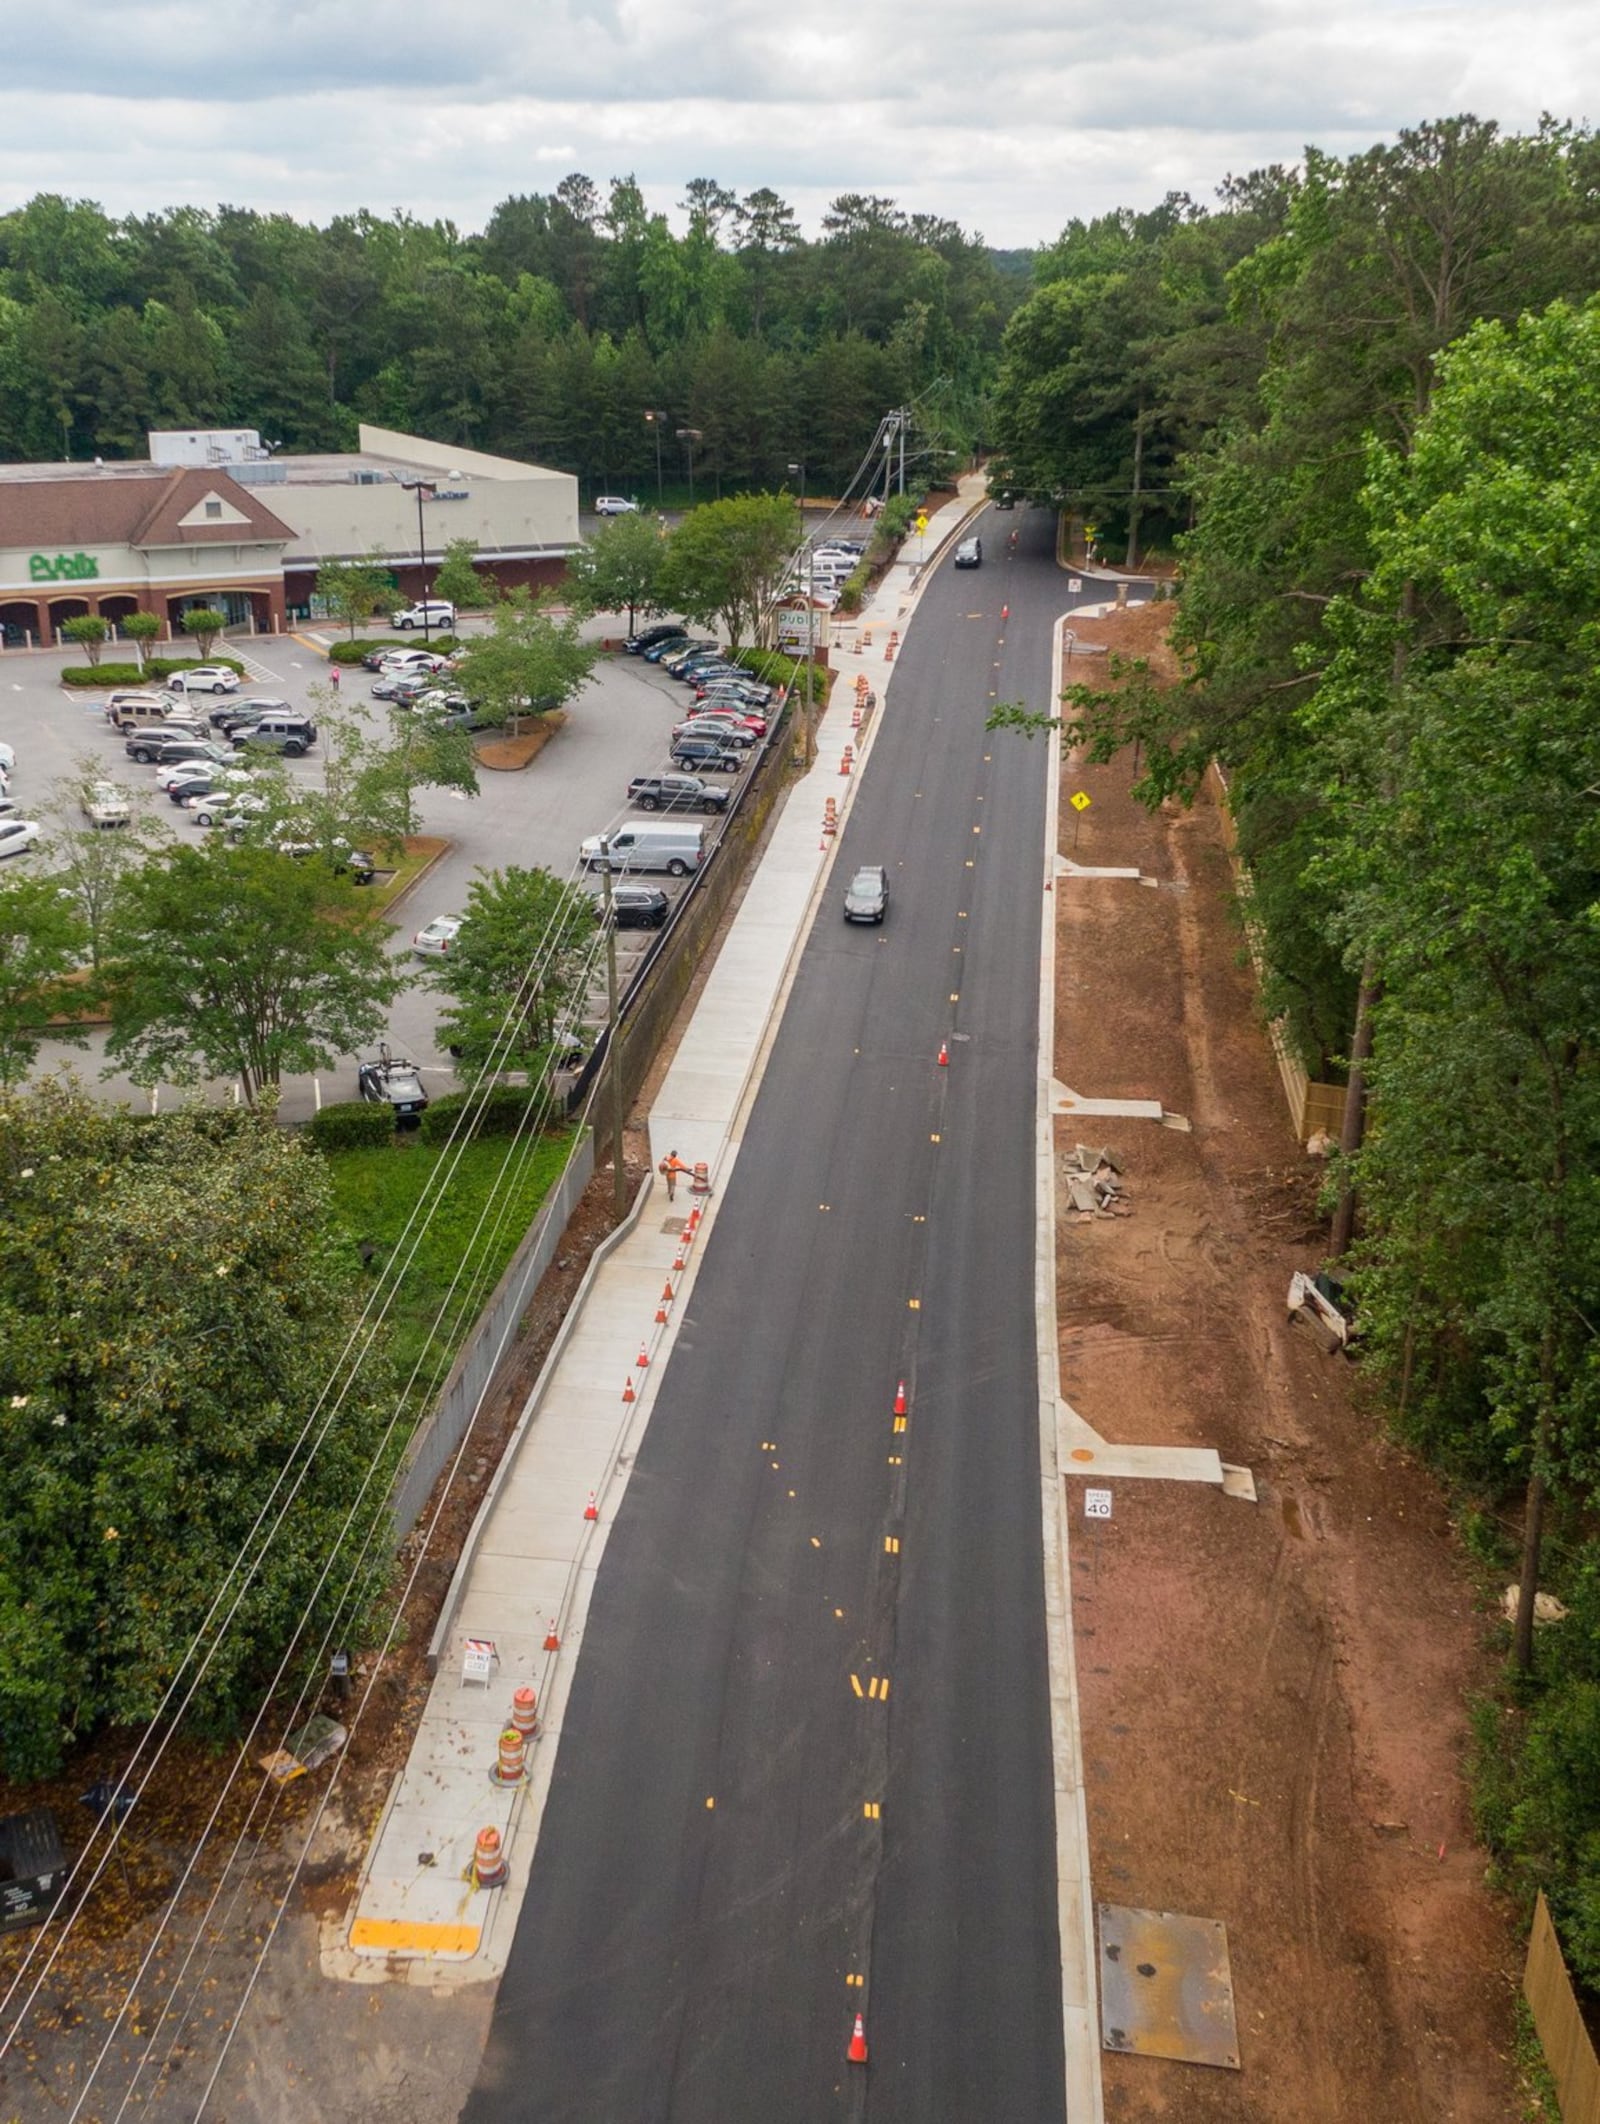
(1008, 118)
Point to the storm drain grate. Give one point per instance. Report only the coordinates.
(1165, 1987)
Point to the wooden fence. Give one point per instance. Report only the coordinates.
(1567, 2044)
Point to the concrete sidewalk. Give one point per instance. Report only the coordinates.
(528, 1568)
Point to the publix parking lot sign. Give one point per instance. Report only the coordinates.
(62, 567)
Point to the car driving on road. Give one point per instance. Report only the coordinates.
(866, 897)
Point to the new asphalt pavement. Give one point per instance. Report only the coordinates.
(805, 1768)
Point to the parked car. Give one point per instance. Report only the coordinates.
(168, 777)
(104, 804)
(249, 708)
(394, 1082)
(346, 861)
(231, 809)
(753, 691)
(969, 554)
(615, 505)
(639, 906)
(394, 660)
(676, 792)
(202, 678)
(674, 645)
(726, 729)
(126, 700)
(685, 668)
(675, 659)
(289, 734)
(8, 759)
(432, 612)
(732, 711)
(706, 755)
(866, 897)
(151, 749)
(17, 836)
(435, 938)
(648, 637)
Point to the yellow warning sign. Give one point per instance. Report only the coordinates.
(1079, 800)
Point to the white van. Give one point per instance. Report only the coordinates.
(646, 844)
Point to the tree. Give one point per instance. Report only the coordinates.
(528, 665)
(41, 941)
(142, 628)
(203, 624)
(174, 1301)
(92, 866)
(619, 569)
(459, 582)
(354, 590)
(726, 559)
(240, 961)
(367, 797)
(86, 632)
(522, 954)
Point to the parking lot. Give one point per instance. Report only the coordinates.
(618, 727)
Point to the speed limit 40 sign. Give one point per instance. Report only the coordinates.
(1097, 1504)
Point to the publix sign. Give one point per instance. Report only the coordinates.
(62, 567)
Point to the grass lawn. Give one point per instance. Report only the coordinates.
(497, 1178)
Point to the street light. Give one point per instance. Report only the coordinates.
(422, 489)
(689, 437)
(811, 602)
(655, 419)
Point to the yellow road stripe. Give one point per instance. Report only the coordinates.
(391, 1934)
(855, 1683)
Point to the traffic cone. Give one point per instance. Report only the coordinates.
(1005, 612)
(680, 1261)
(627, 1393)
(552, 1638)
(900, 1399)
(591, 1510)
(661, 1314)
(666, 1294)
(857, 2053)
(944, 1056)
(643, 1358)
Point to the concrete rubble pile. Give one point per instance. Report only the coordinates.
(1093, 1181)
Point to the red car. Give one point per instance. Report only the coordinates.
(730, 713)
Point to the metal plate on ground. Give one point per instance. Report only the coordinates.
(1166, 1990)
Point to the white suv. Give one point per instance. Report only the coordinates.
(615, 505)
(433, 612)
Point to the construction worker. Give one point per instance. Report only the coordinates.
(671, 1166)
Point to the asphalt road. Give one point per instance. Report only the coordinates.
(709, 1877)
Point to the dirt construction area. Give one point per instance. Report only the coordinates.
(1272, 1692)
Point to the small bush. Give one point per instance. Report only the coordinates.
(151, 674)
(501, 1113)
(353, 1125)
(353, 652)
(854, 589)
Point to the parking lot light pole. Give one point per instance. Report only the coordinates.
(655, 418)
(619, 1194)
(421, 488)
(689, 437)
(811, 611)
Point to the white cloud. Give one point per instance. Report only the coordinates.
(1008, 120)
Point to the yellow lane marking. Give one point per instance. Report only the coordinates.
(936, 1137)
(815, 1543)
(891, 1544)
(711, 1801)
(894, 1460)
(855, 1683)
(840, 1613)
(977, 829)
(871, 1810)
(853, 1979)
(970, 864)
(899, 1423)
(391, 1933)
(878, 1687)
(915, 1304)
(955, 995)
(962, 916)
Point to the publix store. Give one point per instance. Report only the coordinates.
(214, 517)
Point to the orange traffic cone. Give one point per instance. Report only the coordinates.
(900, 1399)
(627, 1393)
(857, 2053)
(944, 1056)
(666, 1294)
(591, 1510)
(552, 1638)
(643, 1358)
(680, 1262)
(661, 1314)
(1005, 612)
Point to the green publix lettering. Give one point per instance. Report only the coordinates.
(64, 568)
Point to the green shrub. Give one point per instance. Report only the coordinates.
(353, 1125)
(158, 668)
(502, 1112)
(353, 652)
(854, 589)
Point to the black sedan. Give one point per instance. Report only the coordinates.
(647, 637)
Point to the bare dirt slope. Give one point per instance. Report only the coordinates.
(1273, 1692)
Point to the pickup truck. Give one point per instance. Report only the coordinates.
(676, 792)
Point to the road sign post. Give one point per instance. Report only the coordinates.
(1096, 1507)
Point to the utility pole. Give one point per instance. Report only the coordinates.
(619, 1194)
(421, 487)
